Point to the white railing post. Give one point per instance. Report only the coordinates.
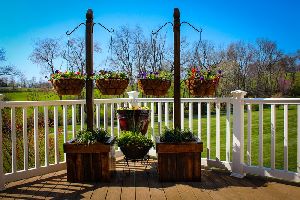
(238, 134)
(1, 152)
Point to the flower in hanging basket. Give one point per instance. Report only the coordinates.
(155, 83)
(203, 82)
(111, 83)
(68, 82)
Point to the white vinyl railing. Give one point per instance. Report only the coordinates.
(218, 122)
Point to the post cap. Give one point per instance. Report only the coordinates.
(133, 94)
(238, 93)
(89, 14)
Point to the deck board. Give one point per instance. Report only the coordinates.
(139, 182)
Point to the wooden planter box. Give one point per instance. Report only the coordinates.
(179, 161)
(86, 163)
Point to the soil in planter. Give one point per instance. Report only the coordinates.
(68, 86)
(155, 87)
(201, 88)
(112, 86)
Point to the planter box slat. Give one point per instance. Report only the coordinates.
(179, 162)
(89, 162)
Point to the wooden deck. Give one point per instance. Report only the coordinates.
(136, 182)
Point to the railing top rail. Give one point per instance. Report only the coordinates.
(272, 100)
(149, 100)
(41, 103)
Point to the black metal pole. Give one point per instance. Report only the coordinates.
(176, 29)
(89, 70)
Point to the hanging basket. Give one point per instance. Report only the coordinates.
(155, 87)
(68, 86)
(112, 86)
(202, 88)
(135, 152)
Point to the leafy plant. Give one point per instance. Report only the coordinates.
(133, 140)
(204, 74)
(163, 75)
(67, 74)
(177, 135)
(90, 137)
(110, 75)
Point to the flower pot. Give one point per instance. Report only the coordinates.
(202, 88)
(68, 86)
(112, 86)
(155, 87)
(93, 162)
(135, 153)
(179, 161)
(134, 120)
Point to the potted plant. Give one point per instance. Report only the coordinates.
(154, 83)
(68, 82)
(134, 118)
(111, 83)
(89, 156)
(179, 156)
(203, 82)
(134, 145)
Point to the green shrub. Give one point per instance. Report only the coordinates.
(90, 137)
(133, 139)
(177, 135)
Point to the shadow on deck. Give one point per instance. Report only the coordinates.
(138, 182)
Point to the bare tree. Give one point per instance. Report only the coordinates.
(74, 53)
(240, 56)
(123, 51)
(44, 53)
(267, 68)
(7, 69)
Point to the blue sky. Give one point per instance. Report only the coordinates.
(222, 21)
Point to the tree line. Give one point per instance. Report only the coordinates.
(260, 68)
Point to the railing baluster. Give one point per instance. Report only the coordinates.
(105, 119)
(65, 124)
(182, 116)
(298, 139)
(13, 140)
(118, 123)
(152, 121)
(273, 135)
(208, 129)
(199, 121)
(112, 119)
(285, 137)
(260, 137)
(159, 117)
(81, 116)
(249, 134)
(167, 114)
(191, 116)
(218, 131)
(1, 150)
(228, 141)
(56, 150)
(173, 114)
(46, 136)
(74, 120)
(25, 139)
(98, 115)
(36, 138)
